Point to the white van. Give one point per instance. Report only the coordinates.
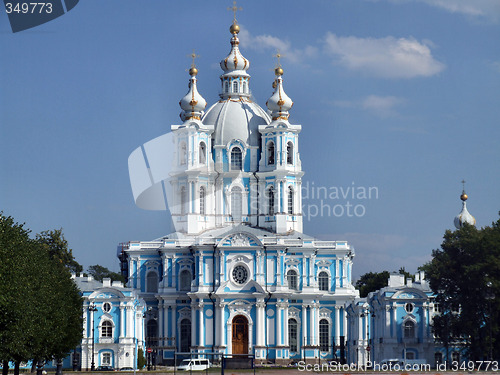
(194, 364)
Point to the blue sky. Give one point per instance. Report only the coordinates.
(400, 95)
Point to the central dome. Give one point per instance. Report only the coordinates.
(236, 119)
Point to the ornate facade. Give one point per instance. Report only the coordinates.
(238, 276)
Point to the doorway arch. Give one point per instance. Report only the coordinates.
(240, 335)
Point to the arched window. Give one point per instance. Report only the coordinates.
(324, 327)
(183, 154)
(107, 329)
(185, 335)
(323, 281)
(409, 329)
(235, 87)
(152, 282)
(290, 200)
(236, 159)
(270, 196)
(270, 153)
(291, 276)
(183, 200)
(185, 280)
(202, 200)
(245, 87)
(203, 153)
(226, 86)
(289, 153)
(292, 335)
(236, 204)
(152, 332)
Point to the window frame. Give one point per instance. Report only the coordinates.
(236, 159)
(292, 277)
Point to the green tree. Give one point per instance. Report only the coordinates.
(40, 305)
(372, 281)
(57, 247)
(100, 272)
(465, 276)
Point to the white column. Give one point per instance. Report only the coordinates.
(173, 325)
(316, 323)
(222, 320)
(337, 275)
(395, 320)
(286, 324)
(337, 325)
(387, 321)
(130, 322)
(193, 324)
(122, 321)
(304, 324)
(260, 322)
(344, 319)
(161, 335)
(174, 273)
(279, 308)
(202, 324)
(165, 323)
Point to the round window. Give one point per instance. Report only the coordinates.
(106, 307)
(240, 274)
(409, 307)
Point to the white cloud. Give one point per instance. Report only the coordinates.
(488, 9)
(479, 9)
(387, 57)
(272, 43)
(383, 106)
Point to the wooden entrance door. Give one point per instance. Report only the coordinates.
(240, 335)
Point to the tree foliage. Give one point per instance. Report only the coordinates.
(57, 247)
(40, 305)
(100, 272)
(465, 276)
(372, 281)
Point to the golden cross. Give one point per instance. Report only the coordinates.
(193, 55)
(463, 185)
(234, 8)
(278, 56)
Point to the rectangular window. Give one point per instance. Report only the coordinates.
(323, 335)
(106, 359)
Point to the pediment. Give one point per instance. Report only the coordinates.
(240, 239)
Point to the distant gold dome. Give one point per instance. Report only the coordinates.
(193, 71)
(278, 71)
(234, 29)
(464, 197)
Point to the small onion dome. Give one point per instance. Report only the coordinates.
(192, 103)
(279, 103)
(464, 216)
(235, 60)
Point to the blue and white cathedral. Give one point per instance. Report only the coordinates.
(238, 276)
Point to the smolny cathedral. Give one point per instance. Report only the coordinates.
(238, 275)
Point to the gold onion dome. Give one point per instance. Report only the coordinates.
(464, 216)
(235, 61)
(192, 103)
(279, 103)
